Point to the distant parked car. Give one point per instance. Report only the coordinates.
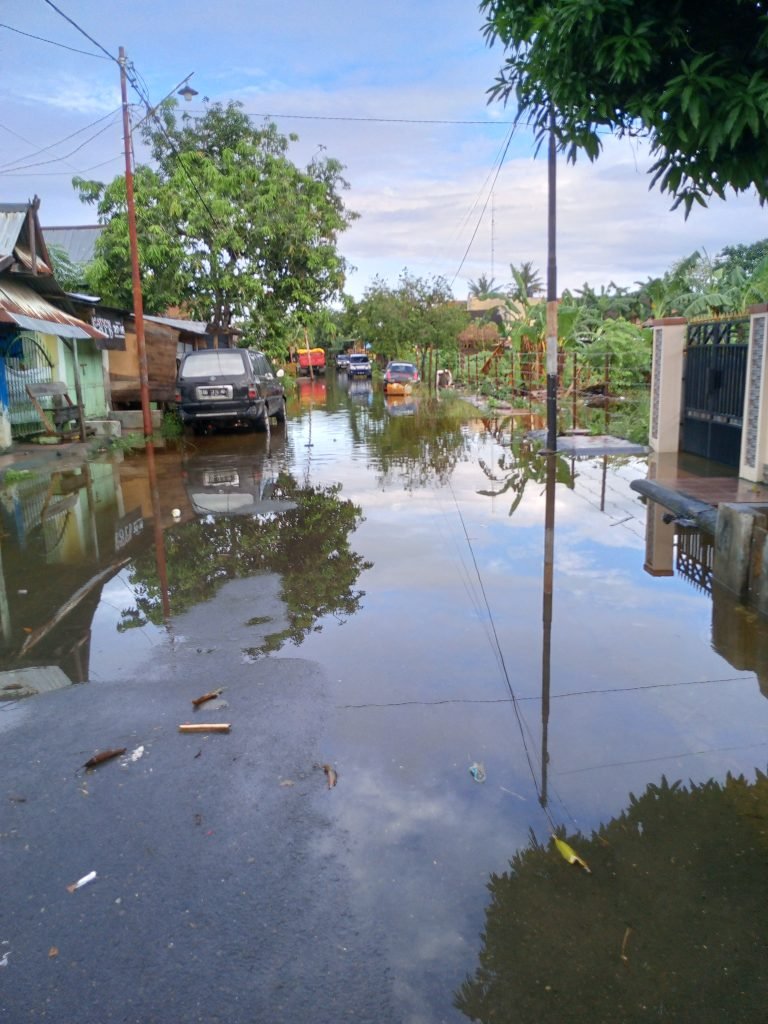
(359, 365)
(399, 378)
(228, 387)
(342, 361)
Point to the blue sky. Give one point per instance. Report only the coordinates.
(382, 87)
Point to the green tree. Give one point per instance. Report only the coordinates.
(229, 227)
(526, 281)
(690, 76)
(69, 275)
(485, 288)
(407, 320)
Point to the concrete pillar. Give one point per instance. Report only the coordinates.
(754, 434)
(669, 337)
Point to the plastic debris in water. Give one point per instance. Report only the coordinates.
(569, 854)
(477, 771)
(331, 774)
(82, 881)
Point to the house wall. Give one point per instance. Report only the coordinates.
(90, 365)
(124, 384)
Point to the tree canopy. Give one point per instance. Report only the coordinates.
(690, 75)
(230, 229)
(412, 317)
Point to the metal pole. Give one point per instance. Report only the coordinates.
(552, 291)
(138, 304)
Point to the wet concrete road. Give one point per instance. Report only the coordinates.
(219, 894)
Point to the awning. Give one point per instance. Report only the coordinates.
(31, 323)
(24, 307)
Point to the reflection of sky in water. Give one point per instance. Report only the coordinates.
(425, 835)
(631, 657)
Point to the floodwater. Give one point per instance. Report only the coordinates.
(508, 650)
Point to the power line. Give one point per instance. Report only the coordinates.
(383, 120)
(485, 206)
(65, 156)
(11, 165)
(53, 42)
(82, 31)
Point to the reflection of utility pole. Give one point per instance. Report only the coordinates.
(552, 290)
(549, 554)
(157, 517)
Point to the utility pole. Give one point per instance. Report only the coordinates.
(138, 304)
(552, 290)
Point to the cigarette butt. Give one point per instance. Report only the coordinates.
(82, 881)
(205, 727)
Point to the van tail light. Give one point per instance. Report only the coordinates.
(252, 391)
(177, 397)
(415, 374)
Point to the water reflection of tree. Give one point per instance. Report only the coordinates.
(515, 466)
(419, 449)
(308, 546)
(669, 926)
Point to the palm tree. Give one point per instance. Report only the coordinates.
(484, 288)
(526, 280)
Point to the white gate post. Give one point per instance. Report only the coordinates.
(754, 433)
(669, 336)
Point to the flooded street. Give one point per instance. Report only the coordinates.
(371, 841)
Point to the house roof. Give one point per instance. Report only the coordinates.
(24, 307)
(78, 242)
(190, 326)
(20, 233)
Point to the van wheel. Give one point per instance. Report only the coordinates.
(280, 414)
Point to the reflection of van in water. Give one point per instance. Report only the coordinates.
(233, 483)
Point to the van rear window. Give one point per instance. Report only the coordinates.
(212, 363)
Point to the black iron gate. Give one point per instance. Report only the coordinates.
(713, 397)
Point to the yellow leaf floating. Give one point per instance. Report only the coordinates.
(569, 854)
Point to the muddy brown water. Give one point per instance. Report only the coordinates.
(398, 545)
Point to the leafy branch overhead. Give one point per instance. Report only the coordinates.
(690, 75)
(230, 229)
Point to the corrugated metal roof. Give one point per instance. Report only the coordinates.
(12, 219)
(24, 307)
(77, 242)
(190, 326)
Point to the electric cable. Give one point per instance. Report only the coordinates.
(11, 165)
(82, 31)
(65, 156)
(485, 206)
(53, 42)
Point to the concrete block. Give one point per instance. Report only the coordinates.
(733, 548)
(104, 428)
(132, 420)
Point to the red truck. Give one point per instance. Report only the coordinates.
(312, 357)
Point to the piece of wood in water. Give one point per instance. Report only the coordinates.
(102, 756)
(205, 727)
(206, 696)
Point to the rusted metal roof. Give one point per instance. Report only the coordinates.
(22, 306)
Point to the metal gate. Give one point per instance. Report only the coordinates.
(26, 362)
(713, 396)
